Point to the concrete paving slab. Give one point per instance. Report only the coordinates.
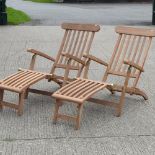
(79, 146)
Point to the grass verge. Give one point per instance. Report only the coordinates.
(16, 17)
(42, 1)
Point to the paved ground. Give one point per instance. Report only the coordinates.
(101, 132)
(104, 14)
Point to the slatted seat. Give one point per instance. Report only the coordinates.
(127, 61)
(79, 90)
(21, 80)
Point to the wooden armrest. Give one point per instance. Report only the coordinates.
(74, 58)
(132, 64)
(91, 57)
(40, 54)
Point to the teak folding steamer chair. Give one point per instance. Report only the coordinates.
(77, 40)
(127, 61)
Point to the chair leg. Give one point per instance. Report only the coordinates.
(21, 103)
(1, 98)
(141, 93)
(121, 103)
(57, 105)
(80, 108)
(26, 93)
(122, 98)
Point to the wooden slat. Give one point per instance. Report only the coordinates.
(8, 104)
(115, 51)
(122, 74)
(13, 77)
(103, 102)
(20, 80)
(84, 45)
(30, 80)
(74, 92)
(72, 42)
(36, 52)
(59, 57)
(72, 89)
(10, 88)
(65, 45)
(68, 39)
(69, 50)
(135, 31)
(58, 78)
(146, 50)
(90, 42)
(9, 77)
(130, 52)
(87, 88)
(92, 90)
(67, 98)
(36, 91)
(21, 69)
(81, 27)
(64, 66)
(118, 53)
(124, 54)
(79, 45)
(66, 117)
(68, 87)
(140, 53)
(136, 49)
(74, 47)
(145, 56)
(75, 43)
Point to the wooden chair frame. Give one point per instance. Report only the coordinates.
(127, 60)
(77, 40)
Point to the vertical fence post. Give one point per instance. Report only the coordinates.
(3, 14)
(153, 13)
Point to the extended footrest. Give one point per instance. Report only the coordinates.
(77, 92)
(21, 80)
(19, 83)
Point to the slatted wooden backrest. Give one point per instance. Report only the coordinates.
(77, 40)
(133, 45)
